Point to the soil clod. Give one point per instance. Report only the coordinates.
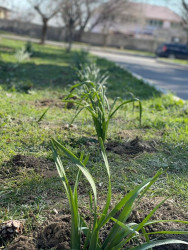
(132, 147)
(10, 229)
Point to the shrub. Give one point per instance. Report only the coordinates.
(81, 59)
(29, 48)
(122, 231)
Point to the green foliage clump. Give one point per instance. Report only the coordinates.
(22, 55)
(29, 48)
(122, 232)
(92, 97)
(81, 59)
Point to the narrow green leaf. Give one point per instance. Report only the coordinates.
(168, 232)
(126, 102)
(80, 165)
(142, 224)
(156, 243)
(75, 234)
(165, 221)
(43, 114)
(124, 226)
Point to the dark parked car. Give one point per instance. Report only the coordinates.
(172, 50)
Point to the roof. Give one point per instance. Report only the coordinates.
(4, 8)
(150, 11)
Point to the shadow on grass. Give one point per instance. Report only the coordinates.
(54, 56)
(38, 75)
(52, 67)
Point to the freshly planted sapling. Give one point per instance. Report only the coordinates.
(122, 232)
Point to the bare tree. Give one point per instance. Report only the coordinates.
(77, 14)
(46, 9)
(108, 14)
(70, 17)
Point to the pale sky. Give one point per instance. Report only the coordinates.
(175, 5)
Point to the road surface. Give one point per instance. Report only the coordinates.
(173, 78)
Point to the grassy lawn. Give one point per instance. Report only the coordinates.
(29, 187)
(137, 52)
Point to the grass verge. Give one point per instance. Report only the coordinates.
(29, 191)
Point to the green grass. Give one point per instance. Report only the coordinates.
(176, 61)
(30, 195)
(134, 52)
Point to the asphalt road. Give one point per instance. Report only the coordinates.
(168, 77)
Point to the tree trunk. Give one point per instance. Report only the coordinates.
(70, 39)
(70, 34)
(44, 30)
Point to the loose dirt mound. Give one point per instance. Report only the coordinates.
(20, 163)
(55, 232)
(10, 229)
(50, 103)
(56, 102)
(23, 243)
(167, 211)
(132, 147)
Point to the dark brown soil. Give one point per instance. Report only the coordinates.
(132, 147)
(55, 232)
(166, 212)
(49, 102)
(21, 163)
(23, 243)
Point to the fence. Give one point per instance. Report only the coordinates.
(58, 34)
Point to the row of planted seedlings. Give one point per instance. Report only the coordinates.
(91, 95)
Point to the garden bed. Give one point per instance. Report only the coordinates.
(30, 188)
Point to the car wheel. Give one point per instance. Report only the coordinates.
(171, 56)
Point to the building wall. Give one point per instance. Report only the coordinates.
(31, 29)
(98, 39)
(120, 41)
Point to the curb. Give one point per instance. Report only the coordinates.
(119, 52)
(171, 63)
